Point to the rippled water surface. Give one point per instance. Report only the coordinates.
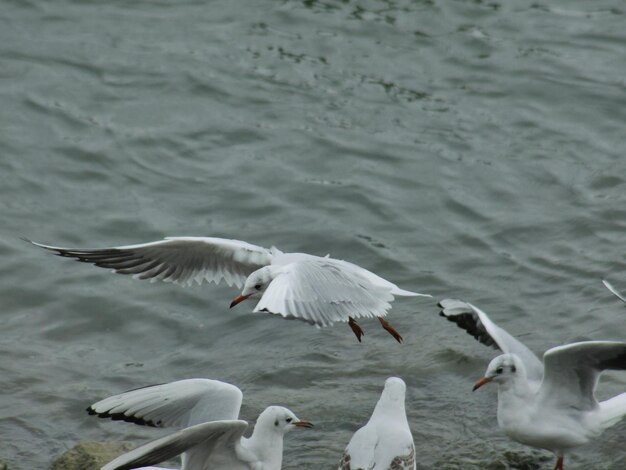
(471, 149)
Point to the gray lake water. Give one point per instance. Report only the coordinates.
(470, 149)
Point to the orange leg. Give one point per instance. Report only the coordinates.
(392, 331)
(559, 463)
(358, 331)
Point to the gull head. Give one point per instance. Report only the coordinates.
(255, 285)
(394, 390)
(280, 419)
(502, 369)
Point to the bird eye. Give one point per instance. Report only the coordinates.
(257, 286)
(499, 370)
(289, 420)
(513, 369)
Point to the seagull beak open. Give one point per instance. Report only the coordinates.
(239, 299)
(303, 424)
(481, 382)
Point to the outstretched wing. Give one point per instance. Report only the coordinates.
(181, 260)
(199, 441)
(320, 292)
(479, 325)
(182, 403)
(572, 371)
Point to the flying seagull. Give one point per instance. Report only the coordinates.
(550, 404)
(314, 289)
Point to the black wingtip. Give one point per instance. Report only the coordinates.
(470, 322)
(126, 418)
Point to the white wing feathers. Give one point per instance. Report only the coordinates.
(181, 260)
(320, 292)
(374, 279)
(360, 450)
(379, 447)
(181, 404)
(572, 371)
(207, 437)
(479, 325)
(613, 290)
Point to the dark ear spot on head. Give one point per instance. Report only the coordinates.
(276, 423)
(513, 369)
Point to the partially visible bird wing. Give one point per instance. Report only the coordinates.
(182, 403)
(368, 449)
(572, 371)
(479, 325)
(200, 441)
(613, 290)
(321, 293)
(344, 464)
(360, 451)
(404, 462)
(374, 279)
(181, 260)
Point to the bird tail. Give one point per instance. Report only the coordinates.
(408, 293)
(613, 410)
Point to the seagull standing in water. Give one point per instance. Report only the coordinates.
(550, 404)
(385, 442)
(314, 289)
(211, 434)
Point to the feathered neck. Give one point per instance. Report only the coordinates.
(389, 407)
(267, 444)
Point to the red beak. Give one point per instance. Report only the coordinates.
(481, 382)
(238, 299)
(303, 424)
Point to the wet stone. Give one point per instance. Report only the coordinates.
(89, 455)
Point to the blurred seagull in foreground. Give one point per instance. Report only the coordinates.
(613, 290)
(314, 289)
(211, 434)
(385, 442)
(550, 405)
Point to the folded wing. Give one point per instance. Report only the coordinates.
(180, 404)
(360, 450)
(320, 292)
(199, 442)
(370, 449)
(572, 371)
(479, 325)
(181, 260)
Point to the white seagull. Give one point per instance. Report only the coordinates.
(314, 289)
(549, 405)
(385, 442)
(211, 434)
